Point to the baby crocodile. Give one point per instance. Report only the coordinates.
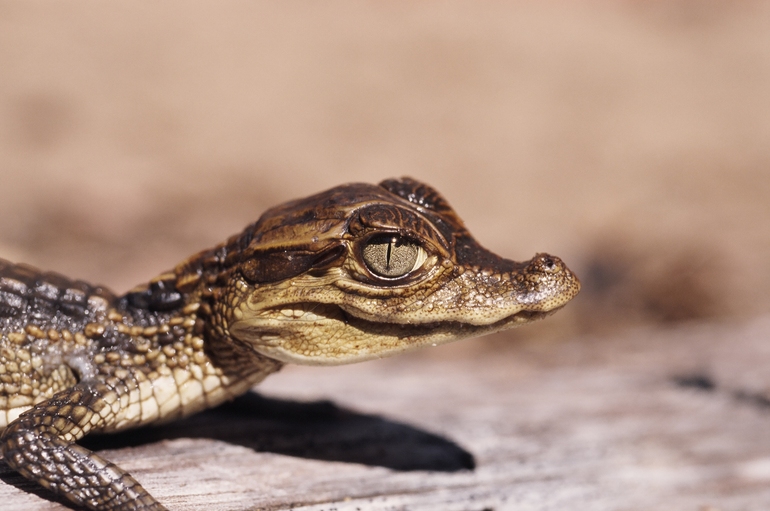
(354, 273)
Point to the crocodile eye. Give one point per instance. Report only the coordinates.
(392, 256)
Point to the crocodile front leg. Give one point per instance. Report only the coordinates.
(40, 445)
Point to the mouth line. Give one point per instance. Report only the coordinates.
(348, 316)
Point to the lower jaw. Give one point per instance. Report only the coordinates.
(519, 318)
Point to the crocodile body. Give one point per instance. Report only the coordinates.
(354, 273)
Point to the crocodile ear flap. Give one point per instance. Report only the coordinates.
(425, 196)
(275, 265)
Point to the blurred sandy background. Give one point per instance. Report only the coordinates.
(630, 138)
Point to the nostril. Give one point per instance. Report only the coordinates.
(547, 263)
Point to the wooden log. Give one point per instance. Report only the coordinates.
(651, 420)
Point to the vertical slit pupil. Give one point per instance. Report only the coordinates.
(390, 255)
(389, 252)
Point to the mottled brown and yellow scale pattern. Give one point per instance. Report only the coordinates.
(310, 282)
(170, 371)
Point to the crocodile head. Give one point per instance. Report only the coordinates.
(362, 271)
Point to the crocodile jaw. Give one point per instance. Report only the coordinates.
(330, 335)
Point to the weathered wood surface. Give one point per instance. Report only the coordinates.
(654, 420)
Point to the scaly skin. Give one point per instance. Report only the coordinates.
(354, 273)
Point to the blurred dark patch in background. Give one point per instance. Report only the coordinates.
(660, 283)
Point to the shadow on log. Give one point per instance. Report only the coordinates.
(317, 430)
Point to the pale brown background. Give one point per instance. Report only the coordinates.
(630, 138)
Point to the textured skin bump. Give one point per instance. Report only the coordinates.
(296, 286)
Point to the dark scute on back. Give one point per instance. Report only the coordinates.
(11, 304)
(74, 302)
(159, 296)
(27, 291)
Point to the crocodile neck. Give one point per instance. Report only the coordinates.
(190, 303)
